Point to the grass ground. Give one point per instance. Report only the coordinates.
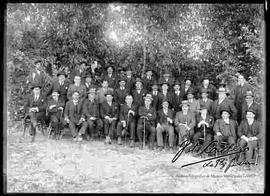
(50, 166)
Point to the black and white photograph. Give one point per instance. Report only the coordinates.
(134, 98)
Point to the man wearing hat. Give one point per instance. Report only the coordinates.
(176, 97)
(148, 79)
(225, 128)
(154, 94)
(204, 126)
(249, 103)
(165, 118)
(164, 94)
(77, 86)
(80, 70)
(127, 120)
(55, 109)
(223, 102)
(109, 112)
(130, 81)
(205, 101)
(238, 94)
(147, 118)
(101, 92)
(184, 123)
(194, 105)
(186, 87)
(250, 134)
(92, 114)
(139, 92)
(74, 116)
(95, 72)
(35, 107)
(61, 85)
(37, 76)
(110, 76)
(121, 92)
(209, 88)
(167, 77)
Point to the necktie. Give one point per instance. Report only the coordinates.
(36, 98)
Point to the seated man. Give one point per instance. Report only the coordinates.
(91, 112)
(184, 123)
(225, 128)
(109, 113)
(147, 117)
(127, 120)
(250, 133)
(55, 108)
(74, 117)
(164, 123)
(35, 107)
(204, 123)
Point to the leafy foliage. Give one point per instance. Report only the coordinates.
(189, 39)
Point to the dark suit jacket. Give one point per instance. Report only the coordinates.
(227, 104)
(40, 103)
(161, 96)
(59, 103)
(120, 95)
(74, 113)
(255, 106)
(155, 100)
(208, 104)
(72, 88)
(250, 131)
(138, 98)
(211, 91)
(148, 83)
(238, 94)
(219, 126)
(112, 81)
(162, 118)
(130, 84)
(151, 114)
(176, 101)
(111, 111)
(62, 89)
(184, 93)
(124, 112)
(189, 119)
(91, 109)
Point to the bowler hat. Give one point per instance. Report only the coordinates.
(37, 61)
(190, 91)
(225, 109)
(55, 91)
(109, 92)
(184, 102)
(221, 90)
(110, 65)
(177, 82)
(92, 89)
(36, 85)
(122, 78)
(61, 73)
(249, 93)
(251, 110)
(139, 80)
(155, 84)
(163, 82)
(203, 90)
(148, 96)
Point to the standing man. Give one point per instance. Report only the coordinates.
(127, 120)
(74, 117)
(121, 92)
(101, 92)
(91, 113)
(149, 79)
(186, 87)
(130, 81)
(146, 122)
(249, 103)
(154, 94)
(35, 106)
(88, 82)
(205, 101)
(250, 133)
(109, 112)
(176, 97)
(223, 102)
(167, 77)
(77, 86)
(209, 88)
(225, 129)
(165, 123)
(184, 123)
(194, 105)
(37, 76)
(61, 85)
(164, 94)
(110, 76)
(238, 95)
(138, 93)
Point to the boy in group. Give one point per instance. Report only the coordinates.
(146, 122)
(127, 121)
(165, 118)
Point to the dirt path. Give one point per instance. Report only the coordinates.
(65, 166)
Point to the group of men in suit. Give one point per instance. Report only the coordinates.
(144, 108)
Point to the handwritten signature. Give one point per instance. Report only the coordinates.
(220, 162)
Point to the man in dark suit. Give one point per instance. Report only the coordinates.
(209, 88)
(165, 118)
(138, 93)
(109, 113)
(149, 79)
(55, 108)
(154, 94)
(121, 92)
(35, 107)
(164, 94)
(130, 81)
(110, 76)
(88, 82)
(167, 77)
(147, 118)
(223, 102)
(127, 120)
(74, 117)
(77, 86)
(225, 128)
(186, 87)
(249, 103)
(80, 70)
(61, 85)
(176, 97)
(92, 114)
(250, 133)
(206, 102)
